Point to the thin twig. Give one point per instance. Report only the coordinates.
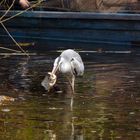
(7, 10)
(21, 12)
(1, 22)
(2, 2)
(10, 49)
(8, 31)
(14, 39)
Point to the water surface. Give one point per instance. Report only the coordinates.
(106, 104)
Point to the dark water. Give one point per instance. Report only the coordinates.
(106, 105)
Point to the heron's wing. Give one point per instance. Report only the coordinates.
(69, 54)
(77, 66)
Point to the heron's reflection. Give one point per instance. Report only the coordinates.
(67, 118)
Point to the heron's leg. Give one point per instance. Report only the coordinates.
(72, 83)
(69, 79)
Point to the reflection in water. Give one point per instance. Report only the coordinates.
(20, 74)
(105, 105)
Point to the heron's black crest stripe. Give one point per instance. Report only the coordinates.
(75, 72)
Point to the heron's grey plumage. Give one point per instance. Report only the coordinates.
(70, 64)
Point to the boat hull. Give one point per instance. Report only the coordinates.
(60, 30)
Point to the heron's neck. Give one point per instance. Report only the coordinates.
(55, 68)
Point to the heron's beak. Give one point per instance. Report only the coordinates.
(52, 78)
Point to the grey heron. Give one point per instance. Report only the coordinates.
(68, 63)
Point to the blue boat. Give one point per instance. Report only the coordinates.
(45, 30)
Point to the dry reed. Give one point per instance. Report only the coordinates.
(6, 19)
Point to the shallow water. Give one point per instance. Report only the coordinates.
(106, 105)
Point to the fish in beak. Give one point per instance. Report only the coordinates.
(49, 81)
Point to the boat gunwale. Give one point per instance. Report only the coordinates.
(74, 15)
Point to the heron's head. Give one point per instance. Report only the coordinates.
(52, 79)
(49, 81)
